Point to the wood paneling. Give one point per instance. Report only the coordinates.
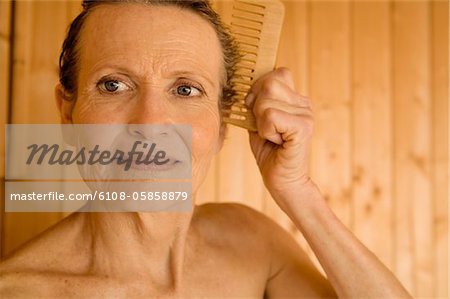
(5, 50)
(412, 148)
(33, 102)
(371, 127)
(39, 28)
(440, 135)
(329, 77)
(377, 73)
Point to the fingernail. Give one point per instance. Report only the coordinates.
(249, 99)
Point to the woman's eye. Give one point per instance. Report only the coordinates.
(113, 86)
(188, 91)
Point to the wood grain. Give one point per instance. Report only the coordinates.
(5, 50)
(412, 149)
(440, 132)
(371, 127)
(329, 71)
(35, 73)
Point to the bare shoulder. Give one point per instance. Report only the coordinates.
(47, 248)
(239, 226)
(222, 212)
(14, 276)
(235, 218)
(40, 258)
(16, 284)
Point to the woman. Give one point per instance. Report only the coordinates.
(170, 62)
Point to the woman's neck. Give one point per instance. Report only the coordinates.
(136, 246)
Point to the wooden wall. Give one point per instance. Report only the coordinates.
(32, 34)
(377, 72)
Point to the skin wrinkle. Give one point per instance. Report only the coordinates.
(169, 69)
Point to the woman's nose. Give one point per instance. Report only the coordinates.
(150, 131)
(151, 107)
(151, 115)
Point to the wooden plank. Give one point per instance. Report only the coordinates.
(73, 9)
(371, 127)
(5, 48)
(440, 91)
(293, 48)
(329, 79)
(414, 252)
(40, 27)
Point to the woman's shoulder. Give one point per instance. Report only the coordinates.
(234, 222)
(230, 216)
(47, 257)
(45, 251)
(19, 273)
(21, 284)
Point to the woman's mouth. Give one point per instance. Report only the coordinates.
(169, 164)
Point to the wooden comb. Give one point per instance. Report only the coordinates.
(256, 26)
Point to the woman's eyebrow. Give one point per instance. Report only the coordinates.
(202, 75)
(189, 74)
(98, 69)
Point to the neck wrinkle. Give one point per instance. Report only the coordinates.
(149, 246)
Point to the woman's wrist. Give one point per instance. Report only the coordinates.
(299, 198)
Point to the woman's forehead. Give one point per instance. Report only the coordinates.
(149, 38)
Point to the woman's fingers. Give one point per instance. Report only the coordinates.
(273, 88)
(279, 126)
(276, 105)
(282, 74)
(262, 104)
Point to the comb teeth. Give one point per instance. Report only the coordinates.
(256, 26)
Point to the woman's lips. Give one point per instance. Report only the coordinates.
(149, 164)
(171, 164)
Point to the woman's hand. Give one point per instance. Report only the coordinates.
(285, 123)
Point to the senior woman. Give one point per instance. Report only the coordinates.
(145, 62)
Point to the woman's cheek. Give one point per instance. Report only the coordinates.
(90, 110)
(206, 142)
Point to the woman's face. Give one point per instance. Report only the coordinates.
(142, 64)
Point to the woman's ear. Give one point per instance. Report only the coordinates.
(64, 103)
(65, 106)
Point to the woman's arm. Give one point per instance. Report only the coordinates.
(281, 147)
(352, 269)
